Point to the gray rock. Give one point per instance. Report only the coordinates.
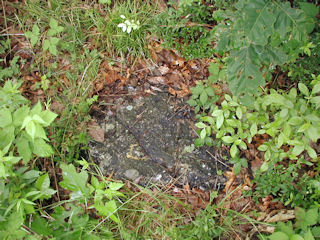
(151, 142)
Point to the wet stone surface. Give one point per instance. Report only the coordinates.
(149, 140)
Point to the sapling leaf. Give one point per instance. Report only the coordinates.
(5, 117)
(76, 182)
(227, 139)
(304, 89)
(315, 89)
(220, 120)
(233, 150)
(41, 148)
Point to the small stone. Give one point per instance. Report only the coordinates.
(129, 108)
(109, 126)
(132, 174)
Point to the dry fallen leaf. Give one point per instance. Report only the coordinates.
(95, 131)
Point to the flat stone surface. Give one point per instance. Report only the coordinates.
(149, 140)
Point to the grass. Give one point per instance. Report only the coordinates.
(90, 36)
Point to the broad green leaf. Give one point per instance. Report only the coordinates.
(259, 21)
(41, 148)
(263, 148)
(19, 115)
(296, 237)
(197, 90)
(227, 139)
(108, 210)
(73, 181)
(24, 149)
(53, 50)
(239, 112)
(46, 45)
(115, 186)
(210, 91)
(48, 117)
(315, 89)
(313, 133)
(5, 117)
(308, 235)
(316, 101)
(233, 150)
(199, 142)
(203, 97)
(40, 226)
(200, 125)
(243, 72)
(31, 129)
(40, 132)
(37, 108)
(279, 236)
(311, 152)
(192, 102)
(203, 133)
(304, 127)
(297, 150)
(6, 136)
(264, 167)
(43, 184)
(208, 119)
(295, 121)
(220, 120)
(253, 129)
(304, 89)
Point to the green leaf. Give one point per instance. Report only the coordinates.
(24, 148)
(199, 142)
(311, 152)
(5, 117)
(43, 184)
(263, 148)
(31, 129)
(304, 127)
(46, 45)
(41, 148)
(295, 121)
(315, 89)
(239, 112)
(192, 102)
(220, 120)
(253, 129)
(264, 167)
(227, 139)
(40, 226)
(203, 97)
(279, 236)
(200, 125)
(108, 210)
(19, 115)
(297, 150)
(313, 133)
(233, 150)
(203, 133)
(48, 117)
(115, 186)
(296, 237)
(73, 181)
(316, 101)
(308, 235)
(243, 72)
(6, 136)
(210, 91)
(304, 89)
(259, 21)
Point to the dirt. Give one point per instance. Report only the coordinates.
(150, 140)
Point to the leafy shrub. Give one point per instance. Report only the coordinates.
(259, 35)
(306, 226)
(287, 118)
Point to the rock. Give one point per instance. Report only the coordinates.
(152, 142)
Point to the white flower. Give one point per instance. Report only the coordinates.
(123, 26)
(128, 25)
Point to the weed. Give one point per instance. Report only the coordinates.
(192, 39)
(139, 18)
